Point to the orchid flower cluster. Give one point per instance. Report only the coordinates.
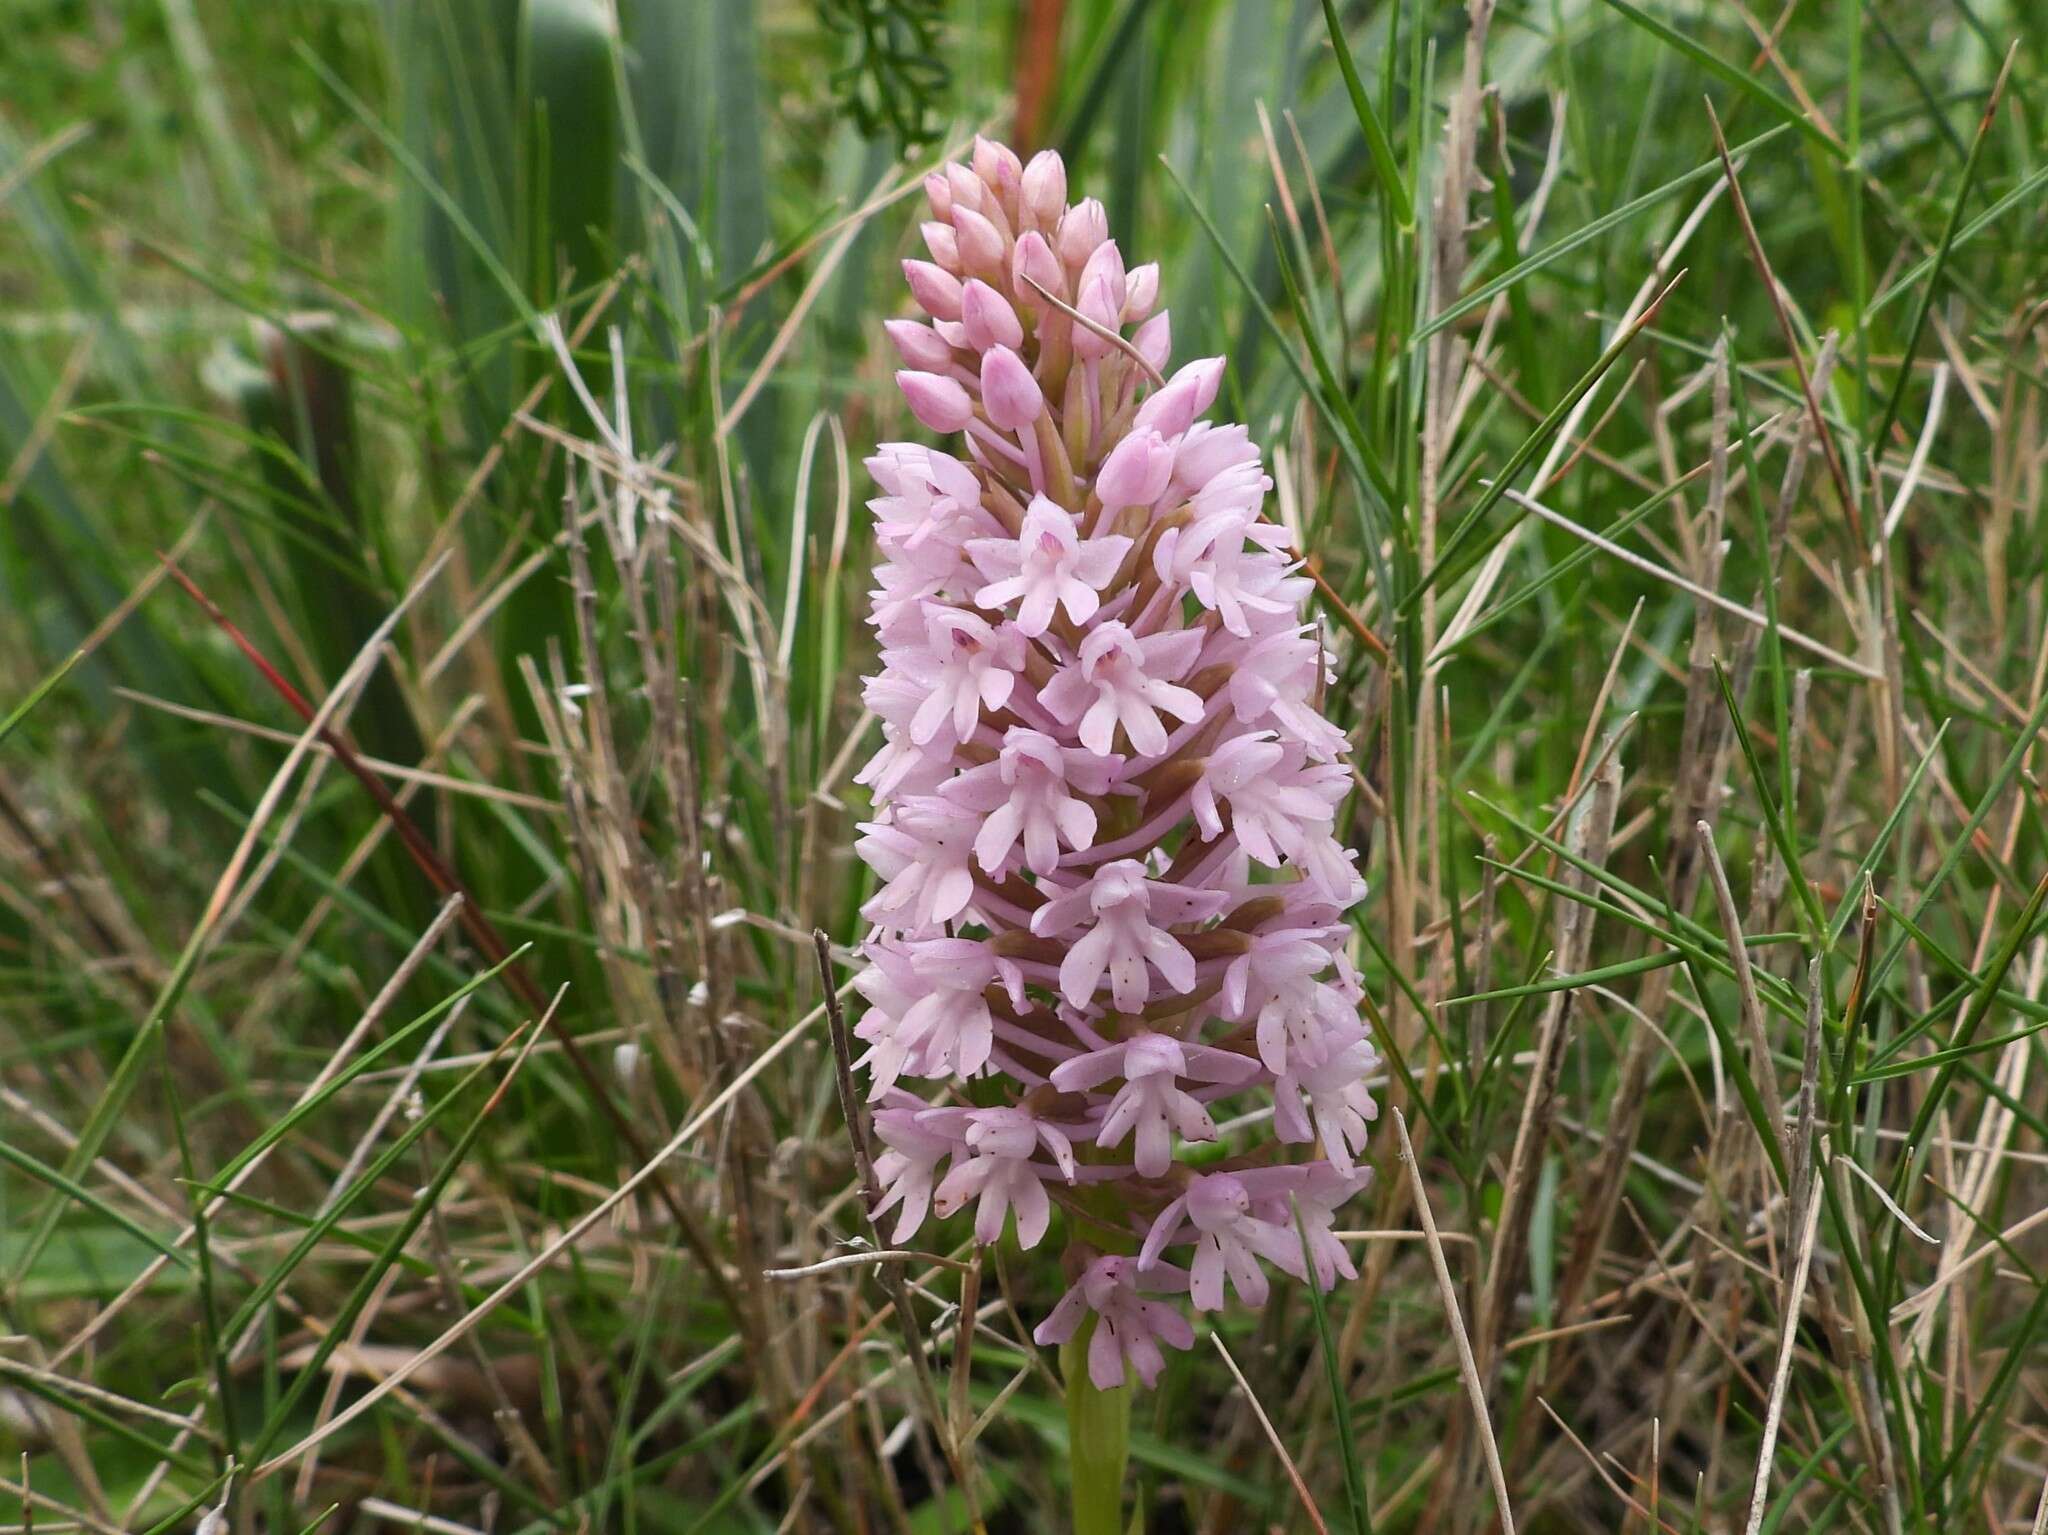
(1110, 894)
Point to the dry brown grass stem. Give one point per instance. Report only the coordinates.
(1823, 434)
(1739, 610)
(1301, 1492)
(1447, 1292)
(1762, 1070)
(1795, 1294)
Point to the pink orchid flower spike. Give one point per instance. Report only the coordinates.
(1108, 841)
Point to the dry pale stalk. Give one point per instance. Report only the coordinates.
(1775, 1410)
(1468, 1368)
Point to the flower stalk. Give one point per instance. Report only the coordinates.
(1098, 1442)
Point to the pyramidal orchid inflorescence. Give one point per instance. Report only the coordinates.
(1109, 891)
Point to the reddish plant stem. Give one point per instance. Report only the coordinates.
(1038, 65)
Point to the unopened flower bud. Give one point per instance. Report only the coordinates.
(981, 243)
(1136, 471)
(1044, 193)
(966, 187)
(1099, 303)
(1187, 394)
(1154, 341)
(1084, 227)
(987, 317)
(919, 346)
(936, 290)
(942, 242)
(1141, 292)
(1034, 259)
(1205, 454)
(1104, 268)
(940, 403)
(1009, 393)
(998, 168)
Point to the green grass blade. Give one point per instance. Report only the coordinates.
(1911, 277)
(1499, 485)
(1385, 171)
(1340, 1401)
(344, 1201)
(1742, 80)
(1775, 822)
(79, 1194)
(402, 1234)
(1581, 237)
(1918, 327)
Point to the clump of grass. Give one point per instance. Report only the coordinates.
(467, 1154)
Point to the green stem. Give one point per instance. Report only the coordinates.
(1098, 1441)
